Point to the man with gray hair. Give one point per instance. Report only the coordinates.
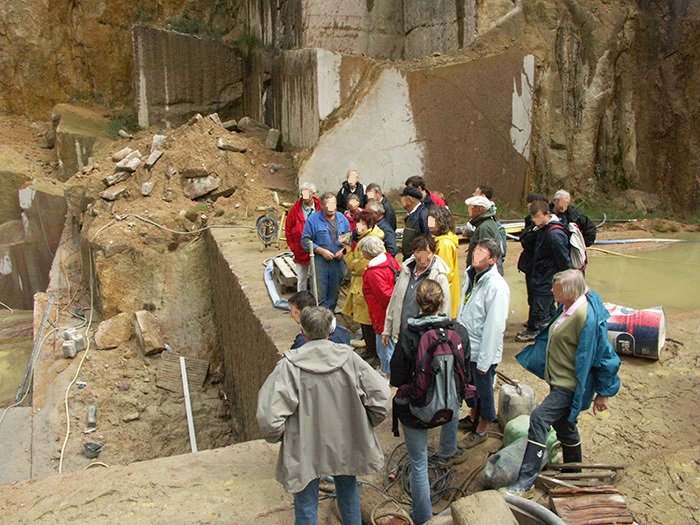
(322, 233)
(377, 210)
(322, 401)
(374, 193)
(561, 206)
(483, 312)
(574, 356)
(293, 228)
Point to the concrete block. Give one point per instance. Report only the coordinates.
(201, 186)
(128, 164)
(116, 178)
(69, 349)
(121, 154)
(148, 333)
(153, 158)
(274, 139)
(147, 188)
(482, 508)
(91, 416)
(229, 147)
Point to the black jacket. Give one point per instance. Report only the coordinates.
(551, 255)
(389, 213)
(586, 225)
(344, 193)
(527, 241)
(416, 224)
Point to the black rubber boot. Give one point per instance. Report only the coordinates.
(572, 454)
(530, 468)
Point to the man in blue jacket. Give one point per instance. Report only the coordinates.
(573, 354)
(322, 231)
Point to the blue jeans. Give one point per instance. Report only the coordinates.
(554, 411)
(384, 353)
(417, 446)
(484, 392)
(328, 275)
(306, 502)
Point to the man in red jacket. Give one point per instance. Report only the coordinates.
(294, 226)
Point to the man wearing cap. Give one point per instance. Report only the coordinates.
(416, 222)
(293, 228)
(482, 218)
(429, 198)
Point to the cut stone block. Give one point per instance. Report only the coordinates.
(153, 158)
(128, 164)
(114, 331)
(194, 172)
(215, 118)
(147, 188)
(274, 139)
(199, 187)
(116, 178)
(230, 125)
(114, 192)
(148, 333)
(157, 142)
(121, 154)
(229, 147)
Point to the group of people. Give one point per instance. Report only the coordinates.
(323, 401)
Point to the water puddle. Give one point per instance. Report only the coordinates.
(15, 348)
(667, 275)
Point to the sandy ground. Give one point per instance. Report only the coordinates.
(652, 427)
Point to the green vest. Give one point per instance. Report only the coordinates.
(561, 350)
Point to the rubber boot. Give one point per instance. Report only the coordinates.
(572, 454)
(530, 468)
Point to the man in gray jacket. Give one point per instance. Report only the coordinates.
(323, 402)
(484, 311)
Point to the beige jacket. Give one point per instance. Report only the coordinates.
(437, 272)
(322, 401)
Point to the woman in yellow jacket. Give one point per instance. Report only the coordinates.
(355, 304)
(442, 226)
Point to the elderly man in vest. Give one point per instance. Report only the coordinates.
(322, 401)
(574, 356)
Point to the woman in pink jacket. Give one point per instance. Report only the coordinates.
(377, 287)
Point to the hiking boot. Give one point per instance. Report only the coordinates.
(525, 336)
(458, 458)
(474, 438)
(466, 423)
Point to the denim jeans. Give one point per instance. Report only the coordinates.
(541, 311)
(484, 391)
(306, 502)
(385, 353)
(328, 276)
(554, 411)
(417, 446)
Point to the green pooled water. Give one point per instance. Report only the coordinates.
(15, 348)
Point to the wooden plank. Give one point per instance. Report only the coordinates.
(592, 509)
(169, 377)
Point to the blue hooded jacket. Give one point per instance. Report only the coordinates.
(596, 365)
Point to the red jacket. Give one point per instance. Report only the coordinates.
(377, 287)
(293, 227)
(437, 200)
